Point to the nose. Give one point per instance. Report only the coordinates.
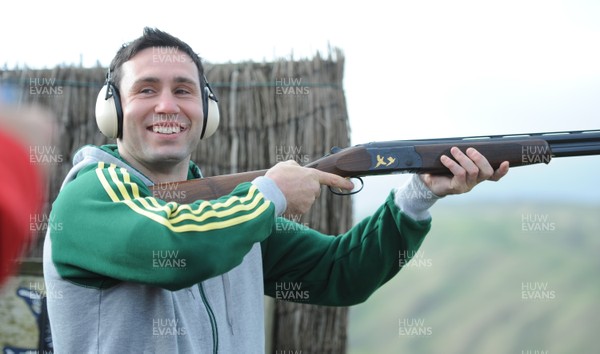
(167, 103)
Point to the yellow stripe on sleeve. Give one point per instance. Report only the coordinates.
(178, 213)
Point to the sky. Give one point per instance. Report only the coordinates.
(414, 69)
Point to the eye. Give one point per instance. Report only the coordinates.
(182, 91)
(147, 90)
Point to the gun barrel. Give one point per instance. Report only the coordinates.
(562, 144)
(574, 143)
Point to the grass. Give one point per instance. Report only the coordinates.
(468, 297)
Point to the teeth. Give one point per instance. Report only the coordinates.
(170, 129)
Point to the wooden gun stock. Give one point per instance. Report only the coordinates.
(517, 153)
(208, 188)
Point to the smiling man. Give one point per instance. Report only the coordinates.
(129, 272)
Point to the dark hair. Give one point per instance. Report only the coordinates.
(152, 37)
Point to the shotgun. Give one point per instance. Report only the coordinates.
(404, 156)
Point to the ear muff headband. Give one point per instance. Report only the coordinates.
(109, 112)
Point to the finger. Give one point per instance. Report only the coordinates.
(472, 171)
(457, 170)
(485, 169)
(500, 172)
(334, 181)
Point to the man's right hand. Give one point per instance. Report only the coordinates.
(301, 186)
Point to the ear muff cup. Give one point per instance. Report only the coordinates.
(109, 114)
(210, 109)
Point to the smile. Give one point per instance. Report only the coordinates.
(168, 128)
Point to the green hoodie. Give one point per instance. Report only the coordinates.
(127, 270)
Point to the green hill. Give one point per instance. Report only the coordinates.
(492, 279)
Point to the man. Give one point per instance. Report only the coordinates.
(132, 273)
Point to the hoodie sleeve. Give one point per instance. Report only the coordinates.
(304, 265)
(108, 227)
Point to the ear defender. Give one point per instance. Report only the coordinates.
(109, 113)
(210, 109)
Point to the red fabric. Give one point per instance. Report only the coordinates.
(21, 196)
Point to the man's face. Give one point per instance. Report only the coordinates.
(162, 107)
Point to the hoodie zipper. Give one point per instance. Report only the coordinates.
(213, 321)
(228, 304)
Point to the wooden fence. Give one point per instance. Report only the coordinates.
(270, 112)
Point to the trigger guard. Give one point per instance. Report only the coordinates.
(362, 185)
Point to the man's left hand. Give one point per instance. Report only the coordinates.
(468, 171)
